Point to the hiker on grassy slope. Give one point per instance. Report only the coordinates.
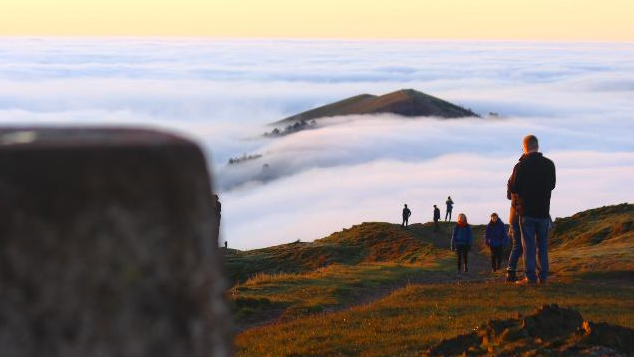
(532, 180)
(494, 238)
(516, 234)
(461, 241)
(436, 218)
(406, 214)
(449, 204)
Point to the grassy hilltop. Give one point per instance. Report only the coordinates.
(377, 289)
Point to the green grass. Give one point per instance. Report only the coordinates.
(600, 239)
(323, 290)
(411, 319)
(596, 226)
(313, 290)
(365, 243)
(302, 278)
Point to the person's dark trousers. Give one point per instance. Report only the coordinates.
(448, 214)
(405, 219)
(535, 245)
(462, 251)
(516, 249)
(496, 257)
(435, 225)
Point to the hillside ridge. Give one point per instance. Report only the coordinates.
(405, 102)
(358, 270)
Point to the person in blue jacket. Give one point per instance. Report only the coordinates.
(494, 238)
(461, 241)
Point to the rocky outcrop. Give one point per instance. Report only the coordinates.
(551, 331)
(108, 246)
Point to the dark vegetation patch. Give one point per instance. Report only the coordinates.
(551, 331)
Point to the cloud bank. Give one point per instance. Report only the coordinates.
(578, 98)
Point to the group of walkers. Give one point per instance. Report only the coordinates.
(407, 213)
(529, 189)
(495, 237)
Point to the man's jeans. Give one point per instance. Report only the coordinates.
(535, 237)
(516, 249)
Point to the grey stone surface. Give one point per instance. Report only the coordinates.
(108, 246)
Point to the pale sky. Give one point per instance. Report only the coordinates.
(606, 20)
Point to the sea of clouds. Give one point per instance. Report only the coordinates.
(578, 98)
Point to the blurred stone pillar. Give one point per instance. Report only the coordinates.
(108, 246)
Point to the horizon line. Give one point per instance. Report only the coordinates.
(308, 39)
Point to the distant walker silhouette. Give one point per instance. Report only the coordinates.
(436, 218)
(406, 214)
(449, 203)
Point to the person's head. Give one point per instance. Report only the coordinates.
(448, 197)
(406, 205)
(494, 217)
(435, 206)
(530, 144)
(462, 218)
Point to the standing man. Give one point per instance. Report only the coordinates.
(406, 214)
(516, 233)
(532, 181)
(436, 218)
(449, 203)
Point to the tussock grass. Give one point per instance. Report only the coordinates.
(411, 319)
(322, 290)
(600, 239)
(364, 243)
(291, 280)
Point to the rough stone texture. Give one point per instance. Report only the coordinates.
(550, 331)
(108, 246)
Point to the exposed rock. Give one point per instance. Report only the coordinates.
(108, 246)
(551, 331)
(602, 333)
(551, 321)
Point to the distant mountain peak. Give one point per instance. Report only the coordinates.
(405, 102)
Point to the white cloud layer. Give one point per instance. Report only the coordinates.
(578, 98)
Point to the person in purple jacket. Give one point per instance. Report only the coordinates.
(461, 241)
(494, 238)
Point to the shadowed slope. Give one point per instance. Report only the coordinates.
(599, 242)
(352, 105)
(604, 225)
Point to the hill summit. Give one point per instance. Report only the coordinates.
(405, 102)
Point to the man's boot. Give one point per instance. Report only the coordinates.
(510, 276)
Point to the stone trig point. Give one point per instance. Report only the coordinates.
(108, 246)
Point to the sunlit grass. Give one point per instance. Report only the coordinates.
(327, 310)
(411, 319)
(326, 288)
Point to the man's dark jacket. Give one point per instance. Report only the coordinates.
(532, 181)
(436, 214)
